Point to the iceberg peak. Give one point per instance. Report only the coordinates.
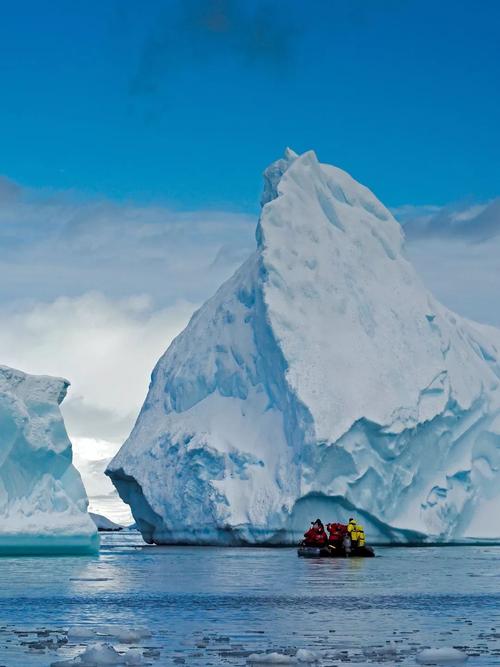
(45, 387)
(273, 174)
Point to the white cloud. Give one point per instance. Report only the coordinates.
(107, 349)
(477, 222)
(54, 244)
(464, 276)
(456, 250)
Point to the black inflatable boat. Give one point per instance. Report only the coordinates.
(334, 552)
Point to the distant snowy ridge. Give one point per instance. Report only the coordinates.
(43, 504)
(321, 379)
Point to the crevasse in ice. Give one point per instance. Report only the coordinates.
(321, 379)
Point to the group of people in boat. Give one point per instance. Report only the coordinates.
(345, 536)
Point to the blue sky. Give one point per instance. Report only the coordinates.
(186, 102)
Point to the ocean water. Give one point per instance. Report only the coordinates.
(211, 606)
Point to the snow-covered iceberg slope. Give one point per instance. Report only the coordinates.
(43, 504)
(322, 379)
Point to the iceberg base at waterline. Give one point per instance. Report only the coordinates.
(48, 545)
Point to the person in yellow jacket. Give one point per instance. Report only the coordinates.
(361, 536)
(352, 530)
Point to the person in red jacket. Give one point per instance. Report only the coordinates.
(316, 535)
(336, 533)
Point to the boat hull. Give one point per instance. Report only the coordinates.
(334, 552)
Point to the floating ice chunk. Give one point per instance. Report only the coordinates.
(129, 636)
(94, 656)
(271, 659)
(123, 634)
(103, 654)
(441, 656)
(304, 655)
(134, 657)
(382, 652)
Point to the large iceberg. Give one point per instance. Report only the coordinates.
(321, 379)
(43, 504)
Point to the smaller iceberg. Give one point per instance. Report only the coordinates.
(104, 524)
(43, 503)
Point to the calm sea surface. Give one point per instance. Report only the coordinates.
(211, 606)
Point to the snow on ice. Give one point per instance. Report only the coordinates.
(122, 634)
(322, 379)
(441, 656)
(104, 654)
(43, 504)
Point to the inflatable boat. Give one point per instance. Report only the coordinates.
(334, 552)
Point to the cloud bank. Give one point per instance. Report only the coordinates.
(470, 222)
(456, 250)
(105, 347)
(58, 243)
